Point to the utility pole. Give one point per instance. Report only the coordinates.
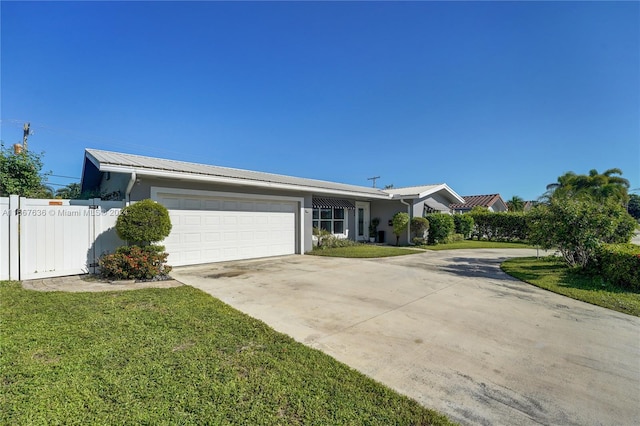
(374, 180)
(25, 135)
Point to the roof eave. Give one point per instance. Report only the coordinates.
(237, 181)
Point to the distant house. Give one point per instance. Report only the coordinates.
(492, 202)
(221, 214)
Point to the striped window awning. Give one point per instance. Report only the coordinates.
(332, 203)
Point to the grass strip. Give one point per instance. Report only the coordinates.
(172, 356)
(364, 251)
(474, 244)
(553, 275)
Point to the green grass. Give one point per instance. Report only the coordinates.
(474, 244)
(552, 274)
(172, 356)
(364, 250)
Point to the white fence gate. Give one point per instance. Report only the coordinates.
(52, 238)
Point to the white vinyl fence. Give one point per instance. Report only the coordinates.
(52, 238)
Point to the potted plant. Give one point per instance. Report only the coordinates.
(373, 229)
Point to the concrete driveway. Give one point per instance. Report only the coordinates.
(450, 330)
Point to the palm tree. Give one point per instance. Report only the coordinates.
(516, 204)
(600, 186)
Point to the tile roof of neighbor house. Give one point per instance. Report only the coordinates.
(108, 161)
(472, 201)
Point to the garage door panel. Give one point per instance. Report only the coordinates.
(214, 229)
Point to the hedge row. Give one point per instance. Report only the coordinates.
(499, 226)
(441, 226)
(619, 264)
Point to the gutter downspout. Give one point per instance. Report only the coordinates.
(127, 194)
(409, 224)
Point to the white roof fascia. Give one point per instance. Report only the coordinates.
(236, 181)
(429, 192)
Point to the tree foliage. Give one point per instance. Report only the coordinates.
(609, 185)
(70, 192)
(577, 226)
(400, 221)
(143, 223)
(516, 204)
(21, 174)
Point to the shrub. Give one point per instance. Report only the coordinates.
(454, 238)
(441, 226)
(418, 226)
(577, 227)
(619, 264)
(400, 222)
(143, 223)
(463, 224)
(322, 235)
(135, 262)
(418, 241)
(330, 241)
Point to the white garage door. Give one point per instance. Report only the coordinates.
(215, 228)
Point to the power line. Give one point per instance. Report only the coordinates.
(67, 177)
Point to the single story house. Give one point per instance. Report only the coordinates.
(492, 202)
(221, 214)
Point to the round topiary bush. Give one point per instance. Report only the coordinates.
(143, 223)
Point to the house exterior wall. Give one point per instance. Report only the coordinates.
(142, 190)
(308, 220)
(384, 210)
(436, 200)
(114, 182)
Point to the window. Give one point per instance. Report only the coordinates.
(332, 220)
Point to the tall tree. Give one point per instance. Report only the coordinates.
(609, 185)
(71, 191)
(21, 174)
(516, 204)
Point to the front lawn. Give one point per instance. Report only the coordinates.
(172, 356)
(552, 274)
(474, 244)
(364, 251)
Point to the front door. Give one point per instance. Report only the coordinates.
(362, 220)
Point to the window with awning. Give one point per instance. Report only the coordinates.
(330, 214)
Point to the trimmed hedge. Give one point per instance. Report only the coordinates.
(464, 224)
(619, 264)
(500, 226)
(143, 223)
(441, 227)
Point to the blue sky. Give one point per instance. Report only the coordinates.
(485, 96)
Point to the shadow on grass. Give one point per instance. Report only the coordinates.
(574, 278)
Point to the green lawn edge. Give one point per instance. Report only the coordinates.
(553, 275)
(474, 244)
(364, 251)
(173, 356)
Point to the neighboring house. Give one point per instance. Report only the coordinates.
(221, 213)
(493, 202)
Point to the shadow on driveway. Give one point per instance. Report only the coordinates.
(477, 268)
